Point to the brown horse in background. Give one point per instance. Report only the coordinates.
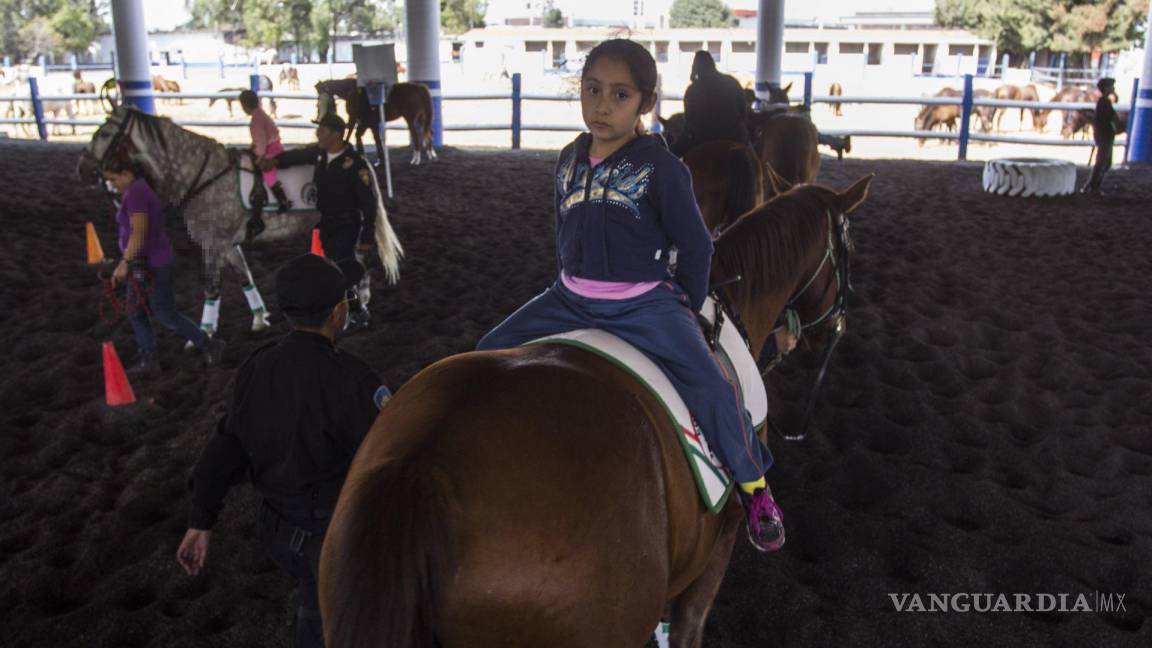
(1039, 117)
(539, 496)
(413, 102)
(80, 86)
(931, 115)
(160, 84)
(836, 91)
(290, 77)
(788, 142)
(728, 180)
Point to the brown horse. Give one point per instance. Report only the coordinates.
(728, 180)
(290, 77)
(160, 84)
(538, 496)
(836, 91)
(787, 142)
(413, 102)
(944, 115)
(1039, 117)
(80, 86)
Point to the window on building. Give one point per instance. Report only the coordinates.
(691, 46)
(714, 50)
(795, 48)
(535, 46)
(874, 53)
(637, 7)
(929, 61)
(743, 47)
(965, 50)
(906, 49)
(821, 53)
(661, 51)
(851, 48)
(583, 47)
(479, 44)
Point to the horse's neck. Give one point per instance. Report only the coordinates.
(181, 158)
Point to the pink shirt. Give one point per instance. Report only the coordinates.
(605, 289)
(264, 132)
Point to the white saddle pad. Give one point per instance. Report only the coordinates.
(296, 180)
(712, 479)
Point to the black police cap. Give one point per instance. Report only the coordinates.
(332, 122)
(309, 285)
(1105, 82)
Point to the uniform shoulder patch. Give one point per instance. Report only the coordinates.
(365, 178)
(348, 162)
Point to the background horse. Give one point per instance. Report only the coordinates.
(80, 86)
(489, 507)
(728, 180)
(160, 84)
(289, 76)
(198, 177)
(836, 91)
(932, 115)
(787, 142)
(265, 86)
(413, 102)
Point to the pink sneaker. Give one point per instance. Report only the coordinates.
(765, 520)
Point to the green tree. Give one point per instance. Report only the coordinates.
(216, 14)
(553, 18)
(700, 13)
(458, 16)
(1022, 26)
(75, 27)
(37, 38)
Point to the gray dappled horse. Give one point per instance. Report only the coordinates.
(198, 177)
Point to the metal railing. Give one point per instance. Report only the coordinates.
(967, 102)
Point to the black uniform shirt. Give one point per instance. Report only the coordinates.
(300, 410)
(715, 108)
(343, 186)
(1104, 122)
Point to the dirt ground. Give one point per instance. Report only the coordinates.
(986, 426)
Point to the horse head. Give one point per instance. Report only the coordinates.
(793, 254)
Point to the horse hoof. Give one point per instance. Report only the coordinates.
(260, 323)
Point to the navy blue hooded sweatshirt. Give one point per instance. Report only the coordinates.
(619, 222)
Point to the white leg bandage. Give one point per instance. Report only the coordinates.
(256, 303)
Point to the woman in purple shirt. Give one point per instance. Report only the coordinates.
(146, 268)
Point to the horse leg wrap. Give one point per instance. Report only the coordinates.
(256, 303)
(208, 320)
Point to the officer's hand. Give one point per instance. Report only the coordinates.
(193, 550)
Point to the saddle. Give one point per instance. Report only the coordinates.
(713, 481)
(296, 180)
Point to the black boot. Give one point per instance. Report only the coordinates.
(147, 364)
(281, 198)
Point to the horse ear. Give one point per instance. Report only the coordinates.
(663, 122)
(786, 88)
(852, 197)
(778, 183)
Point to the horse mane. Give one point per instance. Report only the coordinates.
(769, 244)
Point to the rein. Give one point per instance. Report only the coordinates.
(837, 313)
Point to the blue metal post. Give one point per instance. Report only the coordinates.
(808, 90)
(656, 127)
(7, 61)
(44, 66)
(73, 63)
(1140, 135)
(37, 108)
(1003, 65)
(254, 83)
(1063, 62)
(516, 110)
(1131, 118)
(133, 73)
(295, 58)
(965, 115)
(1031, 60)
(184, 67)
(221, 60)
(423, 24)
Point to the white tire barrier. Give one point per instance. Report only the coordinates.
(1029, 177)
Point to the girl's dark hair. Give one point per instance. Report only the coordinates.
(703, 64)
(120, 162)
(249, 100)
(639, 61)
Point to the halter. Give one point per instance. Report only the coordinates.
(836, 313)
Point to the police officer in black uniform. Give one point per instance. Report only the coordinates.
(346, 202)
(300, 410)
(715, 108)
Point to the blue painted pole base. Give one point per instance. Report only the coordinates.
(1141, 135)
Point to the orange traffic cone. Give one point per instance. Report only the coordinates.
(117, 390)
(317, 247)
(95, 252)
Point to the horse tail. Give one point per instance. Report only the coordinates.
(386, 561)
(387, 243)
(745, 188)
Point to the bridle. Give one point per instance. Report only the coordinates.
(196, 187)
(836, 315)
